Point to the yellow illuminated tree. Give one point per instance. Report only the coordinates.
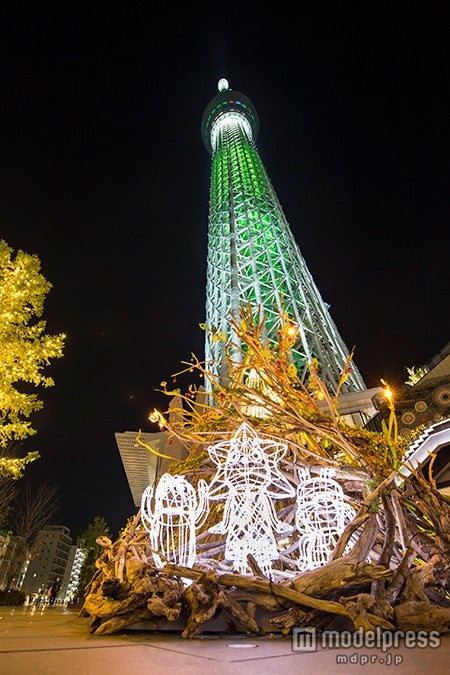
(25, 350)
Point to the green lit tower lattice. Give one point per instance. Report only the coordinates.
(252, 254)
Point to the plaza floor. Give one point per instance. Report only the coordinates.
(55, 640)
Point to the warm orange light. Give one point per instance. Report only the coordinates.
(388, 393)
(291, 330)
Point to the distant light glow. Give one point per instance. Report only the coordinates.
(223, 84)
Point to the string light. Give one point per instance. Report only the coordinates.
(25, 348)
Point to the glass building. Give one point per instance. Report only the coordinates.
(252, 254)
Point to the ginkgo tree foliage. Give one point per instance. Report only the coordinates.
(25, 351)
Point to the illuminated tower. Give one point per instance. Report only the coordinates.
(252, 254)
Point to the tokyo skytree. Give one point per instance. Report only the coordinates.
(252, 254)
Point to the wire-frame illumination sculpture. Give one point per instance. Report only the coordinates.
(248, 479)
(321, 516)
(177, 511)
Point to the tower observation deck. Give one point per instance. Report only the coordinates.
(252, 254)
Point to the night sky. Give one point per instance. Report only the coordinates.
(104, 176)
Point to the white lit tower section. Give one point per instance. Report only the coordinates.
(252, 254)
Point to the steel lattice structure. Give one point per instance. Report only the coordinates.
(252, 254)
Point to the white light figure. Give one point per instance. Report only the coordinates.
(248, 478)
(322, 514)
(172, 522)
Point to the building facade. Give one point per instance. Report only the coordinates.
(13, 555)
(50, 560)
(69, 585)
(142, 466)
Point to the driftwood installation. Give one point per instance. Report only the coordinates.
(409, 594)
(386, 566)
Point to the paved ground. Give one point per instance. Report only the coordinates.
(54, 640)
